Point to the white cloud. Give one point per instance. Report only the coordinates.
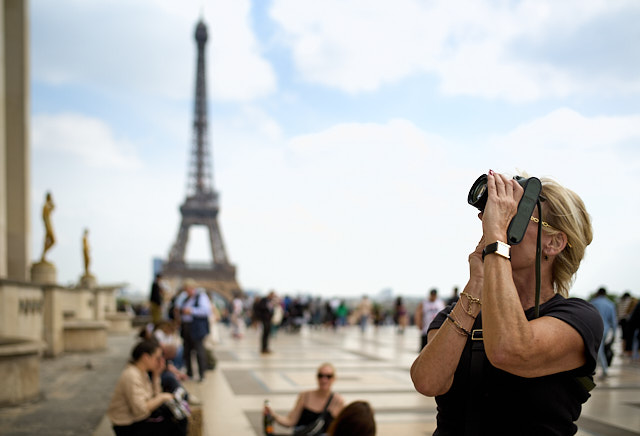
(358, 207)
(567, 128)
(148, 47)
(88, 139)
(361, 45)
(239, 70)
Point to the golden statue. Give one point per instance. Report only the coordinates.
(85, 251)
(49, 238)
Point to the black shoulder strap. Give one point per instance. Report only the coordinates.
(472, 415)
(586, 382)
(326, 406)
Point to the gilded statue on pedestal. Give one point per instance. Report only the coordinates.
(85, 251)
(49, 238)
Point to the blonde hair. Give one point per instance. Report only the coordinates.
(327, 364)
(565, 212)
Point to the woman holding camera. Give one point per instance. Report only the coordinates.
(493, 366)
(136, 406)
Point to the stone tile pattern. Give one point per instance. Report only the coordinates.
(373, 366)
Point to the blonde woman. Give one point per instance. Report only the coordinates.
(493, 367)
(315, 405)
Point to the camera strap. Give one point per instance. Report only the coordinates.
(538, 259)
(520, 222)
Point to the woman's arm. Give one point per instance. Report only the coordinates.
(432, 372)
(337, 404)
(292, 417)
(136, 392)
(158, 400)
(514, 344)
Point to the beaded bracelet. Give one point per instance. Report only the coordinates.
(463, 331)
(472, 300)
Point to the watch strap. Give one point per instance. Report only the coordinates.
(499, 248)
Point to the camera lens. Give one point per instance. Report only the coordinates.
(478, 193)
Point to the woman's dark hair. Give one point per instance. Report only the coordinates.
(356, 418)
(143, 347)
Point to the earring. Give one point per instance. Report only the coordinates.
(546, 257)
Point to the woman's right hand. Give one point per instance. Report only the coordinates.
(166, 396)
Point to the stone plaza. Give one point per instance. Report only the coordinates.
(374, 367)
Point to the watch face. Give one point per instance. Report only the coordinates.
(503, 249)
(499, 248)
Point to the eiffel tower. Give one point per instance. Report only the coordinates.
(201, 206)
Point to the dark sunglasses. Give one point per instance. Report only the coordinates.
(321, 375)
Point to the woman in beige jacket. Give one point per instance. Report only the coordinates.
(136, 406)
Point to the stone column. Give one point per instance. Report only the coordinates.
(16, 162)
(3, 152)
(53, 321)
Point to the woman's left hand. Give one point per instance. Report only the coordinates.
(504, 194)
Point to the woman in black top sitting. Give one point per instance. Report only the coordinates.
(310, 405)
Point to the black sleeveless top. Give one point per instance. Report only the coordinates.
(308, 416)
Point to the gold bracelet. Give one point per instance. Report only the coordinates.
(463, 331)
(472, 300)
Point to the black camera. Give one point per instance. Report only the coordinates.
(518, 226)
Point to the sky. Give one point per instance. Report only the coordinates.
(345, 134)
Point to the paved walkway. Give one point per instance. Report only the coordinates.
(76, 389)
(373, 366)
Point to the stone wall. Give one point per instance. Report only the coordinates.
(22, 309)
(40, 312)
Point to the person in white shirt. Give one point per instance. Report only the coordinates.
(425, 313)
(194, 307)
(237, 317)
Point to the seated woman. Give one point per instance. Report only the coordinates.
(355, 419)
(172, 350)
(311, 405)
(136, 406)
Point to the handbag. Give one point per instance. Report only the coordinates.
(316, 427)
(199, 327)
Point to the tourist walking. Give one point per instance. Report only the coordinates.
(607, 310)
(400, 315)
(237, 317)
(264, 314)
(426, 312)
(155, 300)
(364, 311)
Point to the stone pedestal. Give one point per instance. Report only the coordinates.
(87, 281)
(20, 369)
(195, 422)
(119, 322)
(85, 335)
(43, 272)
